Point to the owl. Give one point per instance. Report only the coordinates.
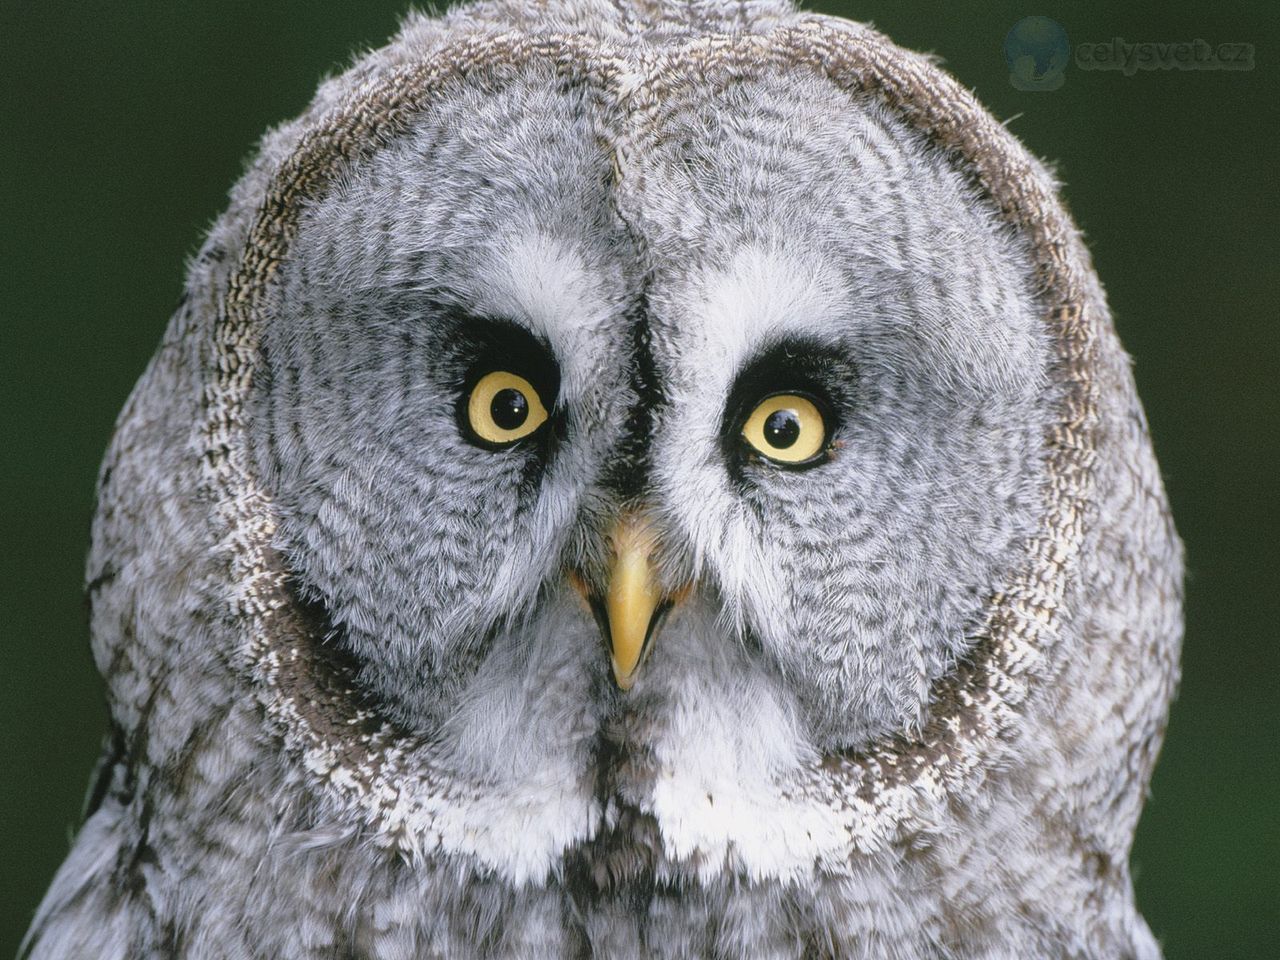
(629, 479)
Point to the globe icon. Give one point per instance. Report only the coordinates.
(1037, 52)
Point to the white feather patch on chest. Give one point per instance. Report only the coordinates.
(726, 751)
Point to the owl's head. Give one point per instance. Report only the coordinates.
(738, 427)
(629, 412)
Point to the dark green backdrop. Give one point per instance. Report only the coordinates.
(123, 124)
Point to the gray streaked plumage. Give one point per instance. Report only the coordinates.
(906, 700)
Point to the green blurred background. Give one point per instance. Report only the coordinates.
(123, 125)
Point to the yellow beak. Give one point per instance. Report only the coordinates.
(634, 601)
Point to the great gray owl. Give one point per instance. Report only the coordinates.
(629, 479)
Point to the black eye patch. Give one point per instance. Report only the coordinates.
(474, 349)
(481, 345)
(808, 369)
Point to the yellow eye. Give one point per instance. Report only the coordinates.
(786, 428)
(503, 408)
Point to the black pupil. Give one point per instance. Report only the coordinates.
(509, 408)
(782, 428)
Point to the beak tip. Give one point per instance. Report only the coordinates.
(625, 680)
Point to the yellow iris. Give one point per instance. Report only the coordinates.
(786, 428)
(504, 407)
